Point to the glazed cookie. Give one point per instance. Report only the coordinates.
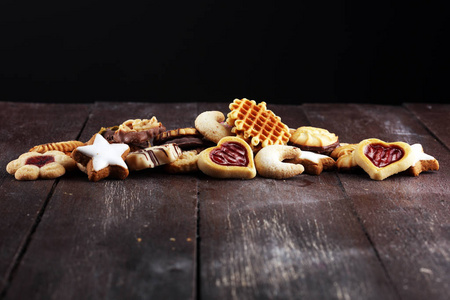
(211, 125)
(314, 139)
(66, 147)
(269, 161)
(186, 163)
(153, 157)
(34, 165)
(102, 159)
(231, 158)
(422, 161)
(381, 160)
(314, 163)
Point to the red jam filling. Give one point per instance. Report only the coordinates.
(40, 161)
(230, 154)
(382, 156)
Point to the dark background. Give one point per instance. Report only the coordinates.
(310, 51)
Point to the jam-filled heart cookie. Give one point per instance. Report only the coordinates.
(381, 160)
(231, 158)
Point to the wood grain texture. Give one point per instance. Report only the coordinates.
(284, 239)
(157, 236)
(23, 126)
(435, 117)
(406, 218)
(130, 239)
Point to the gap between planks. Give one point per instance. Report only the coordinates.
(23, 247)
(363, 228)
(429, 130)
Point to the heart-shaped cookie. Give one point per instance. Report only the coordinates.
(231, 158)
(381, 160)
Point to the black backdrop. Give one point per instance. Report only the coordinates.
(163, 51)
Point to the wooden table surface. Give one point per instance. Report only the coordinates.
(161, 236)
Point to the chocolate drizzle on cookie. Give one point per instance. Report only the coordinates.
(152, 154)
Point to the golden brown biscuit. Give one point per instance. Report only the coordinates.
(152, 157)
(381, 160)
(211, 125)
(67, 147)
(185, 138)
(422, 161)
(231, 158)
(314, 139)
(34, 165)
(138, 133)
(344, 157)
(102, 159)
(314, 163)
(186, 163)
(257, 125)
(270, 162)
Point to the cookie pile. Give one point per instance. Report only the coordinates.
(251, 140)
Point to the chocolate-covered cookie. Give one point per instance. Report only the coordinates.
(185, 138)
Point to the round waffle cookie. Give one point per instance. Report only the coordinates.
(257, 125)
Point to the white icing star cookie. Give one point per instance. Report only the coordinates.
(422, 161)
(102, 159)
(314, 163)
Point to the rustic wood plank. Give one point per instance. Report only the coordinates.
(284, 239)
(435, 117)
(406, 218)
(130, 239)
(22, 126)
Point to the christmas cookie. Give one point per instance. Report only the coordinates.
(269, 161)
(381, 160)
(186, 163)
(314, 139)
(152, 157)
(231, 158)
(138, 133)
(102, 159)
(344, 157)
(314, 163)
(185, 138)
(211, 125)
(34, 165)
(422, 161)
(66, 147)
(256, 124)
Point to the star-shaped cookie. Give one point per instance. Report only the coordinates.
(102, 159)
